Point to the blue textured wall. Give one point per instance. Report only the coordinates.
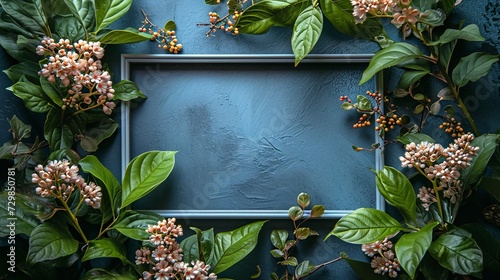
(187, 14)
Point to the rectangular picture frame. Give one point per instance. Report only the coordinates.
(128, 61)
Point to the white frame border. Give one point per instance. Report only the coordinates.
(126, 63)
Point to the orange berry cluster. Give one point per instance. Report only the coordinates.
(387, 123)
(222, 23)
(453, 127)
(363, 121)
(166, 38)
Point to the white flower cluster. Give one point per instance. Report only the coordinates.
(166, 258)
(59, 179)
(78, 66)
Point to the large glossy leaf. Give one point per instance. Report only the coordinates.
(52, 91)
(490, 246)
(9, 32)
(83, 11)
(108, 11)
(410, 77)
(92, 165)
(473, 67)
(33, 96)
(398, 191)
(96, 132)
(125, 36)
(67, 27)
(29, 14)
(233, 246)
(58, 135)
(191, 246)
(49, 242)
(144, 173)
(487, 144)
(26, 212)
(411, 248)
(105, 248)
(261, 16)
(126, 90)
(468, 33)
(365, 225)
(457, 252)
(28, 69)
(388, 57)
(339, 13)
(306, 32)
(133, 224)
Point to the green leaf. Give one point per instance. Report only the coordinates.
(191, 246)
(84, 12)
(67, 27)
(29, 211)
(365, 225)
(52, 91)
(303, 199)
(29, 69)
(133, 224)
(302, 233)
(418, 109)
(490, 246)
(317, 211)
(108, 11)
(398, 192)
(277, 253)
(411, 248)
(422, 5)
(28, 14)
(306, 32)
(144, 173)
(170, 25)
(95, 133)
(33, 96)
(432, 270)
(292, 261)
(468, 33)
(457, 252)
(279, 238)
(233, 246)
(295, 213)
(363, 270)
(446, 5)
(363, 103)
(126, 36)
(59, 136)
(92, 165)
(446, 53)
(126, 90)
(473, 67)
(19, 129)
(105, 248)
(261, 16)
(347, 106)
(303, 269)
(433, 18)
(487, 144)
(388, 57)
(52, 241)
(410, 77)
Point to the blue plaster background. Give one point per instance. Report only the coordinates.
(186, 14)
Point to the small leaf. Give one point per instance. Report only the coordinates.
(170, 25)
(302, 233)
(317, 211)
(295, 213)
(433, 17)
(473, 67)
(468, 33)
(449, 110)
(52, 241)
(291, 261)
(418, 109)
(278, 238)
(419, 97)
(277, 253)
(303, 269)
(400, 93)
(126, 90)
(303, 199)
(363, 103)
(256, 274)
(144, 173)
(435, 108)
(133, 224)
(347, 106)
(445, 94)
(365, 225)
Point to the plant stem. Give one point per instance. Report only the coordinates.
(75, 220)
